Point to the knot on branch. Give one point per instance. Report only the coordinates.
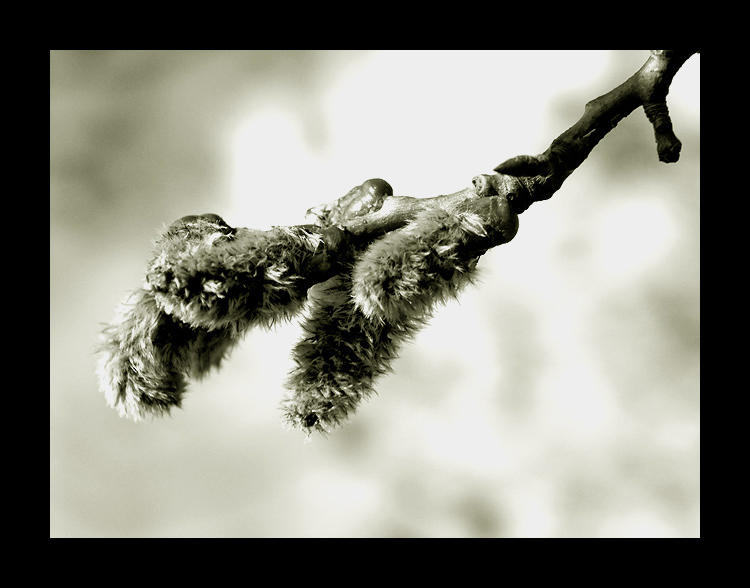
(520, 190)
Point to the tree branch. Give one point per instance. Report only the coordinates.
(648, 87)
(526, 179)
(387, 261)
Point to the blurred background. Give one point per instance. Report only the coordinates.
(559, 397)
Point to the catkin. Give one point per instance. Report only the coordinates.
(210, 277)
(205, 286)
(357, 321)
(337, 360)
(406, 273)
(208, 283)
(146, 356)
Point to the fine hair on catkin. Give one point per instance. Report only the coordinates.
(146, 356)
(210, 275)
(356, 322)
(208, 283)
(407, 272)
(339, 357)
(205, 286)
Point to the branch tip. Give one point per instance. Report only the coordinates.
(668, 146)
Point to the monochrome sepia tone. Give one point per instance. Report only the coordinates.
(366, 273)
(554, 393)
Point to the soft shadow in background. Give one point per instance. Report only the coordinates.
(557, 398)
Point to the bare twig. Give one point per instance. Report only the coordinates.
(526, 179)
(648, 87)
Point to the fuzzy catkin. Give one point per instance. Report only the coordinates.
(336, 361)
(357, 321)
(209, 275)
(406, 273)
(339, 357)
(146, 356)
(206, 285)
